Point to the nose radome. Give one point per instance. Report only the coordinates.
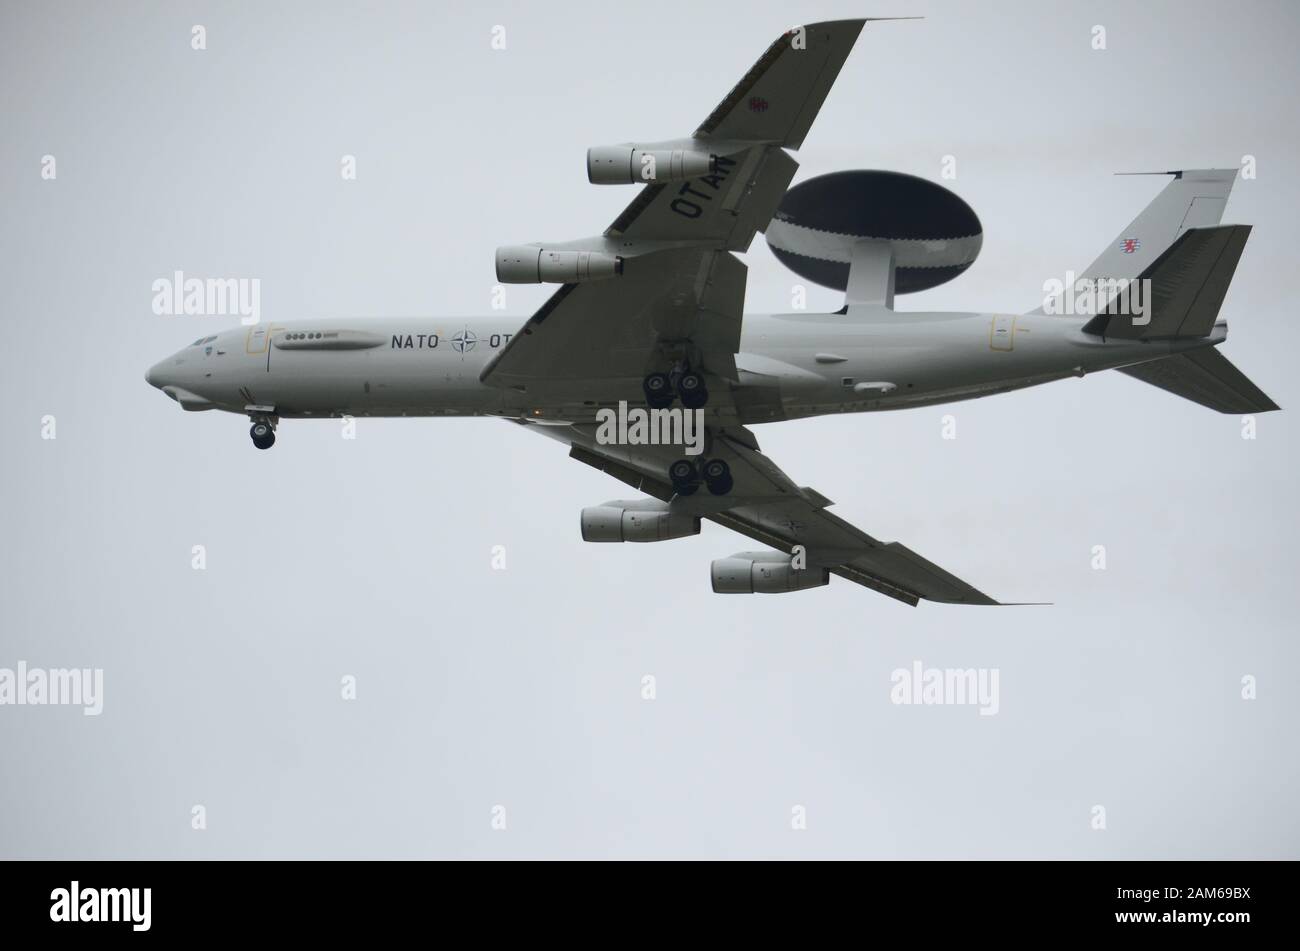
(154, 375)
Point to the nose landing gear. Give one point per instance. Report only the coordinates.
(264, 422)
(263, 434)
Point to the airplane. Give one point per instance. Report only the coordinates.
(649, 314)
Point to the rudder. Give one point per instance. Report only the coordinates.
(1181, 292)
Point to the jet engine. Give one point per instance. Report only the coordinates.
(627, 165)
(643, 520)
(530, 264)
(764, 572)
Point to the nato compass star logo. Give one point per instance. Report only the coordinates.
(464, 341)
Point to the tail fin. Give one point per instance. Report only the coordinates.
(1178, 245)
(1207, 377)
(1194, 199)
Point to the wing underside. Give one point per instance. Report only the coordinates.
(767, 506)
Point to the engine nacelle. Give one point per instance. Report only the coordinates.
(764, 572)
(629, 165)
(529, 264)
(644, 520)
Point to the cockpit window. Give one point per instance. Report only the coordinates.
(197, 342)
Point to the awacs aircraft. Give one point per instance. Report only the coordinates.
(649, 314)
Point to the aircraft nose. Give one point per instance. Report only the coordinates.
(154, 375)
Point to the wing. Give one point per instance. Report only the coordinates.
(767, 506)
(686, 295)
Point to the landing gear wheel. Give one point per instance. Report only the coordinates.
(691, 390)
(263, 435)
(658, 391)
(684, 477)
(717, 476)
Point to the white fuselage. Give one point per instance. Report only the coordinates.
(790, 365)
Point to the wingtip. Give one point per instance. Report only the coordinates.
(858, 22)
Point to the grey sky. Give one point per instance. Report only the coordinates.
(521, 688)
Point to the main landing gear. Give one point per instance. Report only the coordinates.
(686, 476)
(263, 433)
(658, 391)
(691, 390)
(685, 383)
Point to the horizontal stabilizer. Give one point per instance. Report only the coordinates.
(1187, 286)
(1206, 377)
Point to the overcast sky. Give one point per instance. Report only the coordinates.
(371, 558)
